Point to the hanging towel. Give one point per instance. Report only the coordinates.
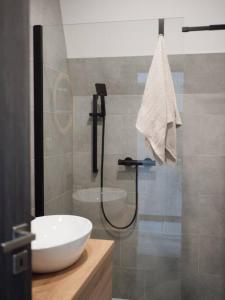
(158, 116)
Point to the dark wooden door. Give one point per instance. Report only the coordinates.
(14, 143)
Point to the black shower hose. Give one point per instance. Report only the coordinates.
(101, 194)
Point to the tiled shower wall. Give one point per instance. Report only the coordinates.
(177, 248)
(58, 108)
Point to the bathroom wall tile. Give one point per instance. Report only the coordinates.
(56, 183)
(82, 105)
(57, 91)
(190, 214)
(128, 284)
(82, 170)
(109, 235)
(212, 255)
(53, 180)
(190, 175)
(123, 104)
(212, 133)
(202, 286)
(163, 285)
(146, 251)
(192, 134)
(149, 223)
(199, 71)
(189, 286)
(59, 205)
(119, 73)
(152, 181)
(211, 287)
(211, 174)
(49, 79)
(189, 253)
(211, 103)
(66, 203)
(211, 215)
(52, 207)
(202, 134)
(58, 133)
(62, 93)
(114, 136)
(82, 130)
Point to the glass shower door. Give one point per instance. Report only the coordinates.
(147, 255)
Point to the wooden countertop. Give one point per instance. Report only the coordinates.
(68, 284)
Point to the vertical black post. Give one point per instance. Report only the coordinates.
(38, 120)
(95, 135)
(161, 26)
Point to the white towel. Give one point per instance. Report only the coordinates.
(158, 115)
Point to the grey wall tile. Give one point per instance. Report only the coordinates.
(189, 286)
(59, 205)
(202, 287)
(190, 175)
(202, 134)
(58, 133)
(189, 253)
(109, 235)
(205, 73)
(211, 287)
(211, 174)
(128, 284)
(163, 285)
(192, 134)
(119, 73)
(82, 171)
(212, 255)
(57, 183)
(151, 251)
(190, 214)
(211, 215)
(213, 103)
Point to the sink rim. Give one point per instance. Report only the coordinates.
(56, 244)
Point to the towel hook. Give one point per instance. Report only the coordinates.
(161, 26)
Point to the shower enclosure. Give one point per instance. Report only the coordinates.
(175, 248)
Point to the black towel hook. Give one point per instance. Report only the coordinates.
(161, 26)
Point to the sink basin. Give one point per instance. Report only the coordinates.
(60, 241)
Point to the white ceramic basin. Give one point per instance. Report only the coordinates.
(60, 241)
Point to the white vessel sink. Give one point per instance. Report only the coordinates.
(60, 241)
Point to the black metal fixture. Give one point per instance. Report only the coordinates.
(38, 120)
(128, 162)
(203, 28)
(161, 26)
(101, 91)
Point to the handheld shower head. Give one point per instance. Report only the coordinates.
(101, 89)
(102, 92)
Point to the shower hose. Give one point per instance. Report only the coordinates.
(134, 217)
